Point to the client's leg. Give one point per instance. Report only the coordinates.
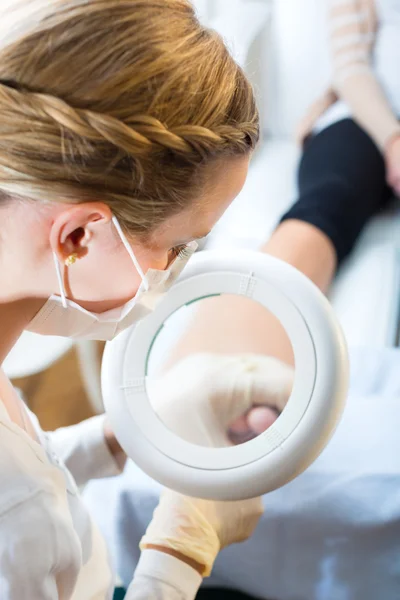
(233, 324)
(341, 185)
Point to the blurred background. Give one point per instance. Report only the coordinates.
(39, 365)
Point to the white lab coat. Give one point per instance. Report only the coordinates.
(49, 546)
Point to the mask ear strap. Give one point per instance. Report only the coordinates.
(60, 281)
(129, 250)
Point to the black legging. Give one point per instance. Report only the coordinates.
(341, 184)
(204, 594)
(222, 594)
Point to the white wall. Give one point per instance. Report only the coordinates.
(203, 8)
(286, 56)
(296, 61)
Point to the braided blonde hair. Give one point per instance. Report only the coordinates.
(122, 101)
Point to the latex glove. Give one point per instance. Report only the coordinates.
(197, 399)
(392, 158)
(204, 394)
(198, 529)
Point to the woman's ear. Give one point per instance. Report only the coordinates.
(74, 228)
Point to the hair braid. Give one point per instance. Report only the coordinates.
(128, 122)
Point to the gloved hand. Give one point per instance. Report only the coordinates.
(198, 399)
(204, 396)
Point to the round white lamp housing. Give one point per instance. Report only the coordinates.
(296, 438)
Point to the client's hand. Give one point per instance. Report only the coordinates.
(198, 399)
(392, 157)
(206, 397)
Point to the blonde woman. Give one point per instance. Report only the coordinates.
(126, 130)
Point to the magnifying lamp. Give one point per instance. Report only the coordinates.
(302, 430)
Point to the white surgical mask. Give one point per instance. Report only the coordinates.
(63, 317)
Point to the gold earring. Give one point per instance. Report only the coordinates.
(71, 260)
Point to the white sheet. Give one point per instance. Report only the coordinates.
(333, 533)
